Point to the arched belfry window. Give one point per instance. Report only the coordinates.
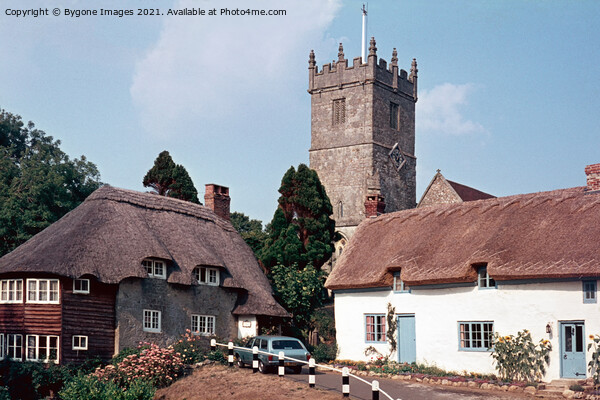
(340, 209)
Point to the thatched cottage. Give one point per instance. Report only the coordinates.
(126, 267)
(459, 273)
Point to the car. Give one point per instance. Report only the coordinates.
(290, 346)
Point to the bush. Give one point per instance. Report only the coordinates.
(89, 387)
(324, 352)
(217, 356)
(191, 348)
(519, 359)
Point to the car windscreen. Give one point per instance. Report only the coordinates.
(286, 345)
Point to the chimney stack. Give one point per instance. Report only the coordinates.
(217, 199)
(374, 205)
(593, 177)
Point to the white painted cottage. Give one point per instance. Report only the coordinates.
(457, 273)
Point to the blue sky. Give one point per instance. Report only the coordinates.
(509, 94)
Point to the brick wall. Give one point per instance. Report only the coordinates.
(593, 176)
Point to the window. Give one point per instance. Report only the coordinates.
(484, 280)
(475, 336)
(81, 286)
(339, 111)
(399, 285)
(590, 289)
(80, 342)
(11, 291)
(208, 276)
(394, 116)
(14, 347)
(42, 291)
(152, 321)
(375, 328)
(2, 353)
(42, 348)
(203, 324)
(340, 209)
(155, 269)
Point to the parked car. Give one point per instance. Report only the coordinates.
(290, 346)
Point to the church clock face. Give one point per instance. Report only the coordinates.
(397, 157)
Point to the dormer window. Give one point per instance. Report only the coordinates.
(399, 285)
(81, 286)
(155, 269)
(207, 275)
(484, 280)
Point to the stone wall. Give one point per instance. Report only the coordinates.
(439, 192)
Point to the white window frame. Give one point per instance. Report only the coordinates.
(11, 288)
(211, 276)
(149, 316)
(36, 348)
(77, 342)
(203, 324)
(153, 268)
(12, 344)
(84, 286)
(48, 292)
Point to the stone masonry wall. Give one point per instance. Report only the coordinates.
(439, 193)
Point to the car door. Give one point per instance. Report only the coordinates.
(246, 355)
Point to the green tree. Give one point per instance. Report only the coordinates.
(39, 183)
(302, 230)
(251, 230)
(170, 179)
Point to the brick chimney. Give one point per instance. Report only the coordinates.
(374, 205)
(593, 177)
(217, 199)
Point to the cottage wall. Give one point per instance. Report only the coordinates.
(177, 304)
(512, 308)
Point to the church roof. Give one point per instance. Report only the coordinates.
(467, 193)
(113, 230)
(441, 191)
(529, 236)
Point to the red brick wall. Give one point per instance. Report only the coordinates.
(217, 199)
(593, 176)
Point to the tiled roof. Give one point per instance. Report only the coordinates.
(467, 193)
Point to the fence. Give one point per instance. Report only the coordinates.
(311, 368)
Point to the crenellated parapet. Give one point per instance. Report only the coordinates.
(338, 74)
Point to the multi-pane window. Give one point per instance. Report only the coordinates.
(590, 289)
(375, 324)
(394, 116)
(42, 348)
(14, 347)
(155, 268)
(477, 336)
(339, 111)
(399, 285)
(203, 324)
(81, 286)
(152, 321)
(483, 278)
(80, 342)
(206, 275)
(42, 291)
(11, 291)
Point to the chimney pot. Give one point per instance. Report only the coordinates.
(217, 198)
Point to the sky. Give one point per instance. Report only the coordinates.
(509, 93)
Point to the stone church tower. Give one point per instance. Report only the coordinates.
(363, 136)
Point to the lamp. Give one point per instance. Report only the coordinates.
(548, 328)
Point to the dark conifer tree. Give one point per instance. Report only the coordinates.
(170, 179)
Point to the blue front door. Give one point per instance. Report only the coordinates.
(407, 344)
(572, 350)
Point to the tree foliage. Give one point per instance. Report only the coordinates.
(169, 179)
(39, 183)
(302, 230)
(251, 230)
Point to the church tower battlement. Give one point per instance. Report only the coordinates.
(363, 129)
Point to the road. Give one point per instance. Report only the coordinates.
(404, 390)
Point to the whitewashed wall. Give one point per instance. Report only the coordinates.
(247, 326)
(512, 308)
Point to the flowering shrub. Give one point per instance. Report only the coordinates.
(518, 358)
(190, 348)
(594, 364)
(91, 388)
(156, 365)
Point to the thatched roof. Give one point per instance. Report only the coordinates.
(531, 236)
(113, 230)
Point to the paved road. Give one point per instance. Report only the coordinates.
(398, 389)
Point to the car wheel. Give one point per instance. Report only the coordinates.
(239, 361)
(297, 369)
(262, 368)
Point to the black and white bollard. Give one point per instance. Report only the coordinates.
(375, 387)
(213, 344)
(281, 364)
(345, 382)
(311, 373)
(255, 359)
(230, 353)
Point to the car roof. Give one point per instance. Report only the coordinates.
(269, 337)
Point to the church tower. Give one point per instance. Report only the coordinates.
(363, 136)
